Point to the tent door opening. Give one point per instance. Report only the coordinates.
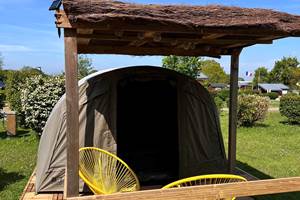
(147, 129)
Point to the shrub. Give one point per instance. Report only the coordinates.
(251, 108)
(219, 103)
(213, 93)
(247, 91)
(271, 95)
(2, 98)
(223, 94)
(14, 83)
(39, 98)
(290, 107)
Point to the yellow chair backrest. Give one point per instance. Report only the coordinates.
(105, 173)
(205, 180)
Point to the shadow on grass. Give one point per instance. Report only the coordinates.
(20, 133)
(261, 125)
(7, 178)
(261, 175)
(289, 123)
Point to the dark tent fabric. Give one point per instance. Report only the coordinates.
(165, 125)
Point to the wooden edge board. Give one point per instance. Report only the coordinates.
(207, 192)
(27, 185)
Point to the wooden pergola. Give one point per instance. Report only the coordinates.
(110, 27)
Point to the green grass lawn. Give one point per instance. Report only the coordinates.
(268, 150)
(274, 104)
(17, 161)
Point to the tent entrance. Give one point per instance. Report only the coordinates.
(147, 129)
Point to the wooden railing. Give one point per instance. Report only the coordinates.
(207, 192)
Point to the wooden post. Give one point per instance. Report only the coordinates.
(72, 177)
(234, 76)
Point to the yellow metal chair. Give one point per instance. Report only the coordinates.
(105, 173)
(205, 180)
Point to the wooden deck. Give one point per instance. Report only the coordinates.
(29, 191)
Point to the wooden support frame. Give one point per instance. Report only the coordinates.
(207, 192)
(151, 39)
(72, 104)
(234, 76)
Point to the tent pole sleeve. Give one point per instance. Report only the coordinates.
(234, 75)
(72, 118)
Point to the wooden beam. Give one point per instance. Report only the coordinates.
(72, 178)
(127, 50)
(249, 43)
(207, 192)
(140, 40)
(158, 38)
(213, 36)
(84, 41)
(138, 43)
(234, 76)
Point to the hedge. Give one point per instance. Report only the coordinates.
(290, 107)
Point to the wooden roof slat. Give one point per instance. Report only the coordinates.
(154, 29)
(132, 50)
(171, 40)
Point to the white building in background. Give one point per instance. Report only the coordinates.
(279, 88)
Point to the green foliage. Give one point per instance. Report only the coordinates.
(38, 99)
(85, 66)
(290, 107)
(214, 72)
(251, 108)
(2, 98)
(261, 75)
(295, 81)
(15, 81)
(189, 66)
(271, 95)
(224, 94)
(247, 91)
(1, 62)
(283, 71)
(219, 103)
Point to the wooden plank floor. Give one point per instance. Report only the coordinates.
(29, 191)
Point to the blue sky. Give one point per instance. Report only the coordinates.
(28, 37)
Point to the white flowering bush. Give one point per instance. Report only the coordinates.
(252, 108)
(38, 98)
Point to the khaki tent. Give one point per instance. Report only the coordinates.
(163, 124)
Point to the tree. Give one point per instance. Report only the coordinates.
(85, 66)
(28, 71)
(1, 61)
(214, 71)
(295, 81)
(283, 70)
(189, 66)
(261, 75)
